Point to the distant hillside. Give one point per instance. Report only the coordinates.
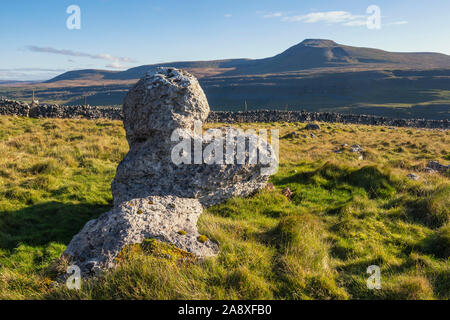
(138, 72)
(314, 75)
(87, 74)
(309, 54)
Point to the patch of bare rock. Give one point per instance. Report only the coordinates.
(434, 166)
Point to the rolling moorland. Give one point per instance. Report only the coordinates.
(314, 75)
(346, 213)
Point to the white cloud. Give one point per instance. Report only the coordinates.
(356, 23)
(115, 65)
(273, 15)
(344, 18)
(228, 15)
(33, 70)
(396, 23)
(115, 61)
(328, 17)
(28, 74)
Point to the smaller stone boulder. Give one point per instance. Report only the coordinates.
(168, 219)
(312, 126)
(413, 176)
(429, 170)
(356, 148)
(435, 165)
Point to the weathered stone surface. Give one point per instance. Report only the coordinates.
(148, 168)
(435, 165)
(312, 126)
(17, 108)
(356, 148)
(303, 116)
(413, 176)
(157, 197)
(98, 244)
(429, 170)
(14, 108)
(162, 101)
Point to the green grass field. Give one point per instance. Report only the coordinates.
(345, 215)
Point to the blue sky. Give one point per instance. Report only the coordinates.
(119, 34)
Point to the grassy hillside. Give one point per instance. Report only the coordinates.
(345, 214)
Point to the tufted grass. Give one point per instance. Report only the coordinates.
(345, 215)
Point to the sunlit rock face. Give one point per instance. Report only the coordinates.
(170, 173)
(162, 102)
(169, 219)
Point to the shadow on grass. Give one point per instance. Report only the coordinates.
(372, 179)
(44, 223)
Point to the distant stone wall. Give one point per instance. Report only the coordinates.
(303, 116)
(17, 108)
(85, 112)
(14, 108)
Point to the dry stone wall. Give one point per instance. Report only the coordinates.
(17, 108)
(22, 109)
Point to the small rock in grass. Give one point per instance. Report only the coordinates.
(312, 126)
(356, 148)
(413, 176)
(435, 165)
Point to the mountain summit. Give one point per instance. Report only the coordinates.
(322, 53)
(317, 43)
(310, 53)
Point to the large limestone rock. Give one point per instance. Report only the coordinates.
(161, 102)
(157, 197)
